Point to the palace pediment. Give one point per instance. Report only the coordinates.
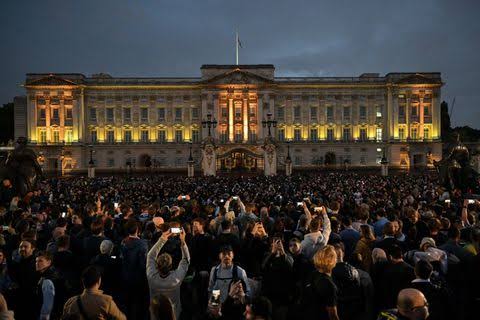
(238, 76)
(51, 80)
(417, 79)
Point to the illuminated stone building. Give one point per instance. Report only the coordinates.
(138, 122)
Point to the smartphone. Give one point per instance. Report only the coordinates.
(64, 214)
(175, 230)
(5, 228)
(115, 205)
(299, 204)
(235, 198)
(447, 200)
(114, 257)
(317, 209)
(471, 201)
(215, 297)
(184, 197)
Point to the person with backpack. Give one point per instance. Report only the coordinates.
(320, 295)
(223, 274)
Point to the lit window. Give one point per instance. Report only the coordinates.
(426, 133)
(401, 133)
(178, 135)
(68, 136)
(144, 135)
(379, 134)
(43, 136)
(110, 136)
(379, 111)
(346, 134)
(56, 136)
(281, 134)
(363, 134)
(314, 134)
(330, 134)
(128, 136)
(414, 135)
(162, 137)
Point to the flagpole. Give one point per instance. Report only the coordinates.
(236, 48)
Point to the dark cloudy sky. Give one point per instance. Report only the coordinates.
(174, 38)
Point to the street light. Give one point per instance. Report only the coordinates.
(190, 157)
(269, 123)
(209, 123)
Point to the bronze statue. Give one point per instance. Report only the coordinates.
(455, 171)
(22, 168)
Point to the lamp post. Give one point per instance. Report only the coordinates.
(62, 156)
(288, 161)
(190, 162)
(209, 123)
(91, 163)
(269, 123)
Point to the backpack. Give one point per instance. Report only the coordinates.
(234, 274)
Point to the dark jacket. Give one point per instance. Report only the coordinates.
(134, 254)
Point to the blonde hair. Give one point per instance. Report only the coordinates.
(230, 216)
(325, 259)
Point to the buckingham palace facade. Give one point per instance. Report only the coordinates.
(233, 117)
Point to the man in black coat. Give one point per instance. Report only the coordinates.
(437, 297)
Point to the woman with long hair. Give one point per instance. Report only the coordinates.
(363, 249)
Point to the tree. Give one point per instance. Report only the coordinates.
(6, 122)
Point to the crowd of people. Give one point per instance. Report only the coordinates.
(316, 246)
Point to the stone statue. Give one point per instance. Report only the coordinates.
(22, 168)
(455, 171)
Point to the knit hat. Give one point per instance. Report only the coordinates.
(427, 240)
(106, 247)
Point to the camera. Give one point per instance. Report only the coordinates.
(64, 214)
(184, 197)
(299, 204)
(471, 201)
(235, 198)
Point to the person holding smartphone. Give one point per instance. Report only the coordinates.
(161, 278)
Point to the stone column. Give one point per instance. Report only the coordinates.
(48, 112)
(245, 119)
(259, 116)
(390, 114)
(203, 114)
(216, 112)
(231, 111)
(91, 171)
(421, 120)
(407, 116)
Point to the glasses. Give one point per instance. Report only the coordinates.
(425, 305)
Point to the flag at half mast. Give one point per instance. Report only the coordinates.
(237, 45)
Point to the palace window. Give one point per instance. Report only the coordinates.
(161, 114)
(330, 134)
(162, 136)
(297, 134)
(68, 136)
(238, 111)
(56, 136)
(178, 114)
(68, 113)
(195, 113)
(426, 110)
(195, 135)
(414, 134)
(330, 113)
(346, 134)
(109, 114)
(296, 112)
(144, 135)
(93, 136)
(363, 134)
(426, 133)
(223, 135)
(281, 113)
(346, 113)
(281, 134)
(313, 113)
(128, 136)
(144, 114)
(110, 136)
(224, 113)
(378, 111)
(238, 135)
(414, 111)
(93, 114)
(178, 136)
(111, 162)
(127, 114)
(363, 113)
(401, 133)
(379, 134)
(252, 135)
(43, 136)
(41, 114)
(55, 115)
(314, 135)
